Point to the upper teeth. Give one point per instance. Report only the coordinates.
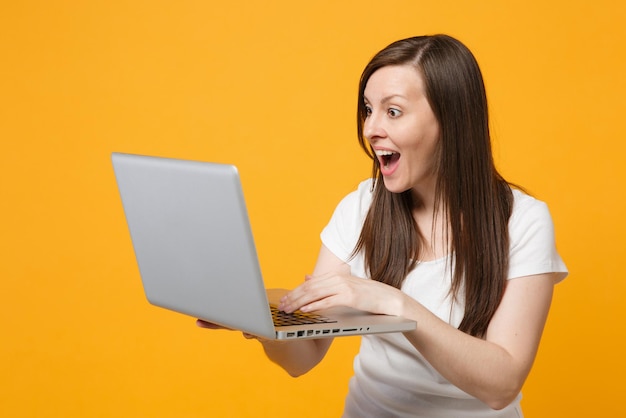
(384, 152)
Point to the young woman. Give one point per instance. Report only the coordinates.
(437, 236)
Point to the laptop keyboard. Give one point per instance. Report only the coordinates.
(297, 318)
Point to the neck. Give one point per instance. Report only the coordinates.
(431, 223)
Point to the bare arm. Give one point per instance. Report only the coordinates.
(492, 369)
(299, 356)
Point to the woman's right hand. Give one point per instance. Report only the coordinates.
(297, 356)
(209, 325)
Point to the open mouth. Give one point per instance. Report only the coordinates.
(387, 158)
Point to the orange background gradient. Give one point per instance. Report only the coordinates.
(271, 87)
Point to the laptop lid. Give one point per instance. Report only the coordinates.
(196, 255)
(188, 262)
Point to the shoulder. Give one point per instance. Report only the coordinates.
(532, 238)
(342, 231)
(523, 202)
(357, 202)
(528, 212)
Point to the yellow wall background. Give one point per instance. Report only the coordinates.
(271, 86)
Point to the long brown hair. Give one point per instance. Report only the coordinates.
(472, 196)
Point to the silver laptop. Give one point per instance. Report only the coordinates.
(196, 255)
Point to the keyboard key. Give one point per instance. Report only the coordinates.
(297, 318)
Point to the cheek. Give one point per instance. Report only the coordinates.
(421, 137)
(430, 127)
(431, 138)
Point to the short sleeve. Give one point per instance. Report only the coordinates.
(532, 239)
(344, 228)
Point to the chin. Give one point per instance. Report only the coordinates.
(394, 186)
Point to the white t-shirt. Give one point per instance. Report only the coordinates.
(391, 378)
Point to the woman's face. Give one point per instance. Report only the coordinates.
(401, 128)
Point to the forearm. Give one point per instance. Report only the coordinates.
(296, 357)
(478, 367)
(492, 369)
(299, 356)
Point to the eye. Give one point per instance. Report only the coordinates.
(368, 110)
(394, 113)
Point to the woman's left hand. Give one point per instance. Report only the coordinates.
(332, 289)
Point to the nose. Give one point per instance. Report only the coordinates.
(373, 128)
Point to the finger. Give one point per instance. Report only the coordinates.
(208, 325)
(289, 302)
(287, 295)
(254, 337)
(314, 288)
(296, 299)
(321, 304)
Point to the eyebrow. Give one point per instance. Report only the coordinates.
(387, 98)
